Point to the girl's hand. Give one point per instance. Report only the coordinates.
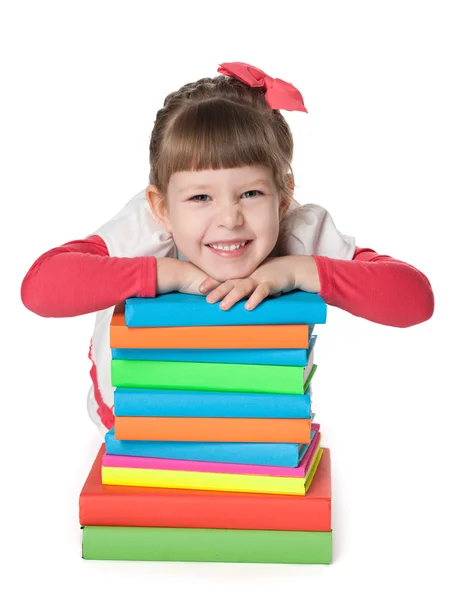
(273, 277)
(191, 277)
(177, 275)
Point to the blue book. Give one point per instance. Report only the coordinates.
(297, 357)
(275, 455)
(149, 402)
(187, 310)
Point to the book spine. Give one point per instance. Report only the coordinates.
(206, 545)
(199, 429)
(278, 455)
(188, 480)
(148, 402)
(181, 310)
(287, 358)
(208, 376)
(204, 510)
(220, 337)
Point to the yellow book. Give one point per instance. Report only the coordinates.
(225, 482)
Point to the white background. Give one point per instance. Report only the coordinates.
(82, 82)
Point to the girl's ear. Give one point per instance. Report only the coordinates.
(285, 201)
(158, 206)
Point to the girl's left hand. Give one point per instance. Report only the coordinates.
(273, 277)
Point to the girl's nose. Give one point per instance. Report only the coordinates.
(231, 216)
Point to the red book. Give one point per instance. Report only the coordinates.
(125, 506)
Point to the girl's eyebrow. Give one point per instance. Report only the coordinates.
(205, 186)
(257, 181)
(194, 186)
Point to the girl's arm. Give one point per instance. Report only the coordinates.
(80, 277)
(376, 287)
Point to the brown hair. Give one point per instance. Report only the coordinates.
(220, 123)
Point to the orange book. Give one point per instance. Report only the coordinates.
(221, 336)
(204, 429)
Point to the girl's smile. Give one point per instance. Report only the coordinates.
(229, 248)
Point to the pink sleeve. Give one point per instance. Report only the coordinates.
(376, 287)
(80, 277)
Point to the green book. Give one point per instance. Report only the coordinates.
(206, 545)
(220, 377)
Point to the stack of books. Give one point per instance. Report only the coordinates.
(214, 455)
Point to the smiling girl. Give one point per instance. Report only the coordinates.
(218, 218)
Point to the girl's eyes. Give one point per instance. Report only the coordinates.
(201, 197)
(251, 192)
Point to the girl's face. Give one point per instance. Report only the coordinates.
(224, 221)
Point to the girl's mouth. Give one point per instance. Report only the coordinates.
(230, 249)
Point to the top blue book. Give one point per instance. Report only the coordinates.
(186, 310)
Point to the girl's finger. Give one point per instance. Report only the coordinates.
(220, 292)
(208, 284)
(244, 289)
(261, 292)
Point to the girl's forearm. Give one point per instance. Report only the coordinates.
(80, 277)
(376, 287)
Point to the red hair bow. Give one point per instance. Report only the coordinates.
(279, 93)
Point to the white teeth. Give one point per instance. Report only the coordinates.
(228, 248)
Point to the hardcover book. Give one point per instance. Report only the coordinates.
(205, 429)
(219, 337)
(274, 454)
(206, 545)
(150, 402)
(168, 464)
(212, 376)
(291, 357)
(187, 310)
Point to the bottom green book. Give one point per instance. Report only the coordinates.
(206, 545)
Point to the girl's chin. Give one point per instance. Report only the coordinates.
(224, 269)
(231, 272)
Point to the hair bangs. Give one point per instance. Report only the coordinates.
(217, 134)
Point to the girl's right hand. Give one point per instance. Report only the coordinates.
(174, 275)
